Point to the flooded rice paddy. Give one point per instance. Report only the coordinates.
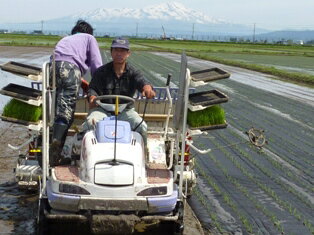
(241, 189)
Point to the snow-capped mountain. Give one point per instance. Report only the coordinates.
(172, 19)
(164, 12)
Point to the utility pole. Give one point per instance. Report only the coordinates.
(136, 29)
(193, 31)
(42, 27)
(164, 32)
(254, 34)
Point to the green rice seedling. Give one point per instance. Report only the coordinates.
(213, 115)
(293, 211)
(22, 111)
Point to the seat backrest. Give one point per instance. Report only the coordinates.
(106, 131)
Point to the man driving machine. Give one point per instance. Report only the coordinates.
(118, 77)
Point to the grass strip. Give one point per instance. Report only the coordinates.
(22, 111)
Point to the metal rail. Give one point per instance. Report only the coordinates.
(45, 127)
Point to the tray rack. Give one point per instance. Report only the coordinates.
(202, 100)
(22, 93)
(194, 102)
(18, 121)
(209, 127)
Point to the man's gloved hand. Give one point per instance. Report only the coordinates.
(92, 101)
(148, 92)
(84, 85)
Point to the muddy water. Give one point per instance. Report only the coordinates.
(17, 209)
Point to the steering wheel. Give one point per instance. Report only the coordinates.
(111, 107)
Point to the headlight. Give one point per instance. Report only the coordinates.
(155, 191)
(72, 189)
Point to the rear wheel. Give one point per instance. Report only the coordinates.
(48, 226)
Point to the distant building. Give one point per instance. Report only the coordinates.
(282, 42)
(37, 32)
(311, 42)
(4, 31)
(19, 32)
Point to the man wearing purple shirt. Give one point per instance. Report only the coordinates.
(74, 55)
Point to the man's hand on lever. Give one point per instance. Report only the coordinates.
(84, 85)
(92, 101)
(148, 92)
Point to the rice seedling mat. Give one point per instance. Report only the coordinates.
(209, 127)
(18, 121)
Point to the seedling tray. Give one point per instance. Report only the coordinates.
(21, 92)
(21, 69)
(209, 75)
(210, 127)
(207, 98)
(18, 121)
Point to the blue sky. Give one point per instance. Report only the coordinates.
(270, 14)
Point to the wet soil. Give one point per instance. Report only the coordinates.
(17, 208)
(250, 190)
